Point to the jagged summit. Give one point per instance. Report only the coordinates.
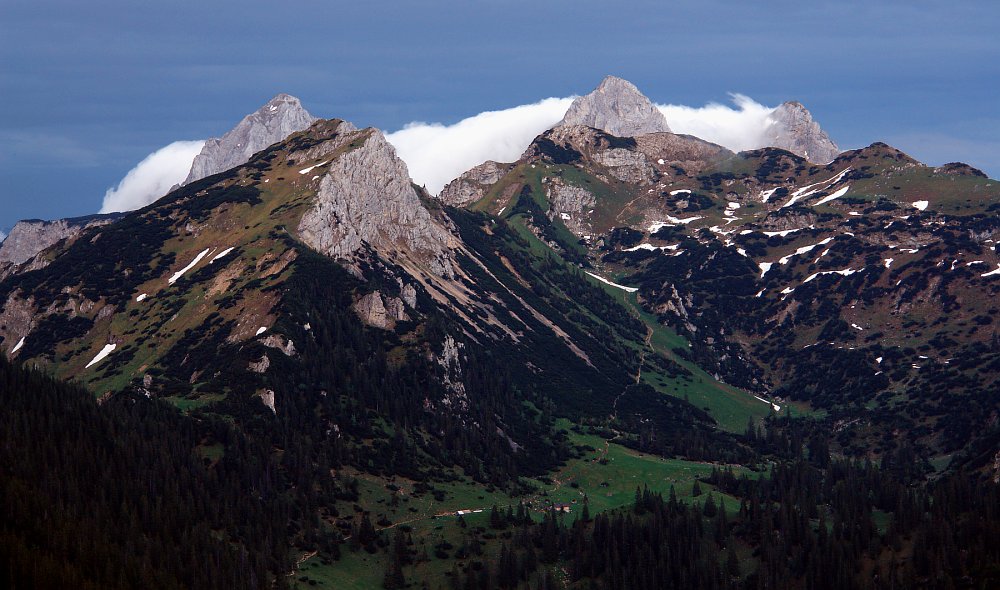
(271, 123)
(795, 130)
(617, 107)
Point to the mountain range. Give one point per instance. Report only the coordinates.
(617, 291)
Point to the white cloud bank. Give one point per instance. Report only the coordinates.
(743, 127)
(152, 177)
(436, 154)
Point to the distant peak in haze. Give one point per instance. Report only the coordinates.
(617, 107)
(794, 129)
(277, 119)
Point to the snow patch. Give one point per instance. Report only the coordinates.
(992, 272)
(888, 262)
(108, 348)
(17, 346)
(764, 267)
(846, 272)
(783, 232)
(310, 169)
(261, 330)
(607, 282)
(809, 190)
(840, 192)
(803, 250)
(680, 191)
(141, 297)
(190, 265)
(776, 407)
(221, 254)
(645, 246)
(920, 205)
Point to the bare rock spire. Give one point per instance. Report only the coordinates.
(794, 129)
(282, 116)
(617, 107)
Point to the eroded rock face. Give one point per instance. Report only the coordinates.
(617, 107)
(30, 237)
(572, 205)
(795, 130)
(273, 122)
(365, 197)
(380, 312)
(627, 165)
(17, 318)
(688, 152)
(473, 184)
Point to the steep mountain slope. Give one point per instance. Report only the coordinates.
(233, 293)
(861, 285)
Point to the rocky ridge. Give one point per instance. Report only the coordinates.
(472, 184)
(31, 236)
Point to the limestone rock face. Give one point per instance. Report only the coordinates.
(627, 165)
(30, 237)
(795, 130)
(473, 184)
(572, 205)
(276, 120)
(366, 198)
(381, 313)
(687, 151)
(617, 107)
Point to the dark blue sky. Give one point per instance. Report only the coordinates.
(90, 88)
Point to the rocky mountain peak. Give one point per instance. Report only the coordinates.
(794, 129)
(617, 107)
(271, 123)
(366, 198)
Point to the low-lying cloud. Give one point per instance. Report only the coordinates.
(436, 154)
(743, 127)
(152, 177)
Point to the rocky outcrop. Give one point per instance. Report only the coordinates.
(267, 398)
(381, 313)
(17, 318)
(617, 107)
(273, 122)
(690, 153)
(627, 165)
(572, 205)
(275, 341)
(364, 198)
(473, 184)
(794, 129)
(29, 237)
(451, 363)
